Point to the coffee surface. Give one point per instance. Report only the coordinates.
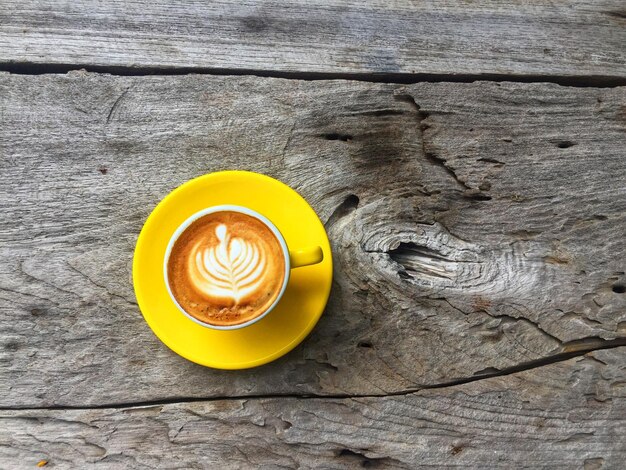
(226, 268)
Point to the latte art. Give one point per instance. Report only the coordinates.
(234, 269)
(226, 268)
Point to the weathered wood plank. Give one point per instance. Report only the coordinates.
(538, 38)
(475, 227)
(566, 415)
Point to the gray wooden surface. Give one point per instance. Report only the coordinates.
(539, 38)
(564, 415)
(478, 311)
(477, 229)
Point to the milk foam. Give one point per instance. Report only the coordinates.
(232, 269)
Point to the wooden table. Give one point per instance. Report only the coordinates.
(467, 158)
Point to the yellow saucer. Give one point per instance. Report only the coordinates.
(284, 327)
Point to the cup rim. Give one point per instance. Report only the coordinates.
(221, 208)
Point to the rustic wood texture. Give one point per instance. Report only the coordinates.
(475, 227)
(566, 415)
(537, 38)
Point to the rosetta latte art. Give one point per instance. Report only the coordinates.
(231, 270)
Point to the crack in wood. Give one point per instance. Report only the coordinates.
(287, 142)
(116, 104)
(430, 156)
(577, 81)
(99, 286)
(490, 373)
(348, 206)
(528, 322)
(437, 161)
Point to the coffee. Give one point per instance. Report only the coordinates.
(226, 268)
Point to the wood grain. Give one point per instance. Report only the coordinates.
(566, 415)
(467, 237)
(541, 38)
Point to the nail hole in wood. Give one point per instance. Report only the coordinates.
(565, 144)
(384, 112)
(335, 136)
(475, 196)
(490, 160)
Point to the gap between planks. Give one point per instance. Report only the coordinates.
(596, 81)
(535, 364)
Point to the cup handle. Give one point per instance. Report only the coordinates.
(312, 255)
